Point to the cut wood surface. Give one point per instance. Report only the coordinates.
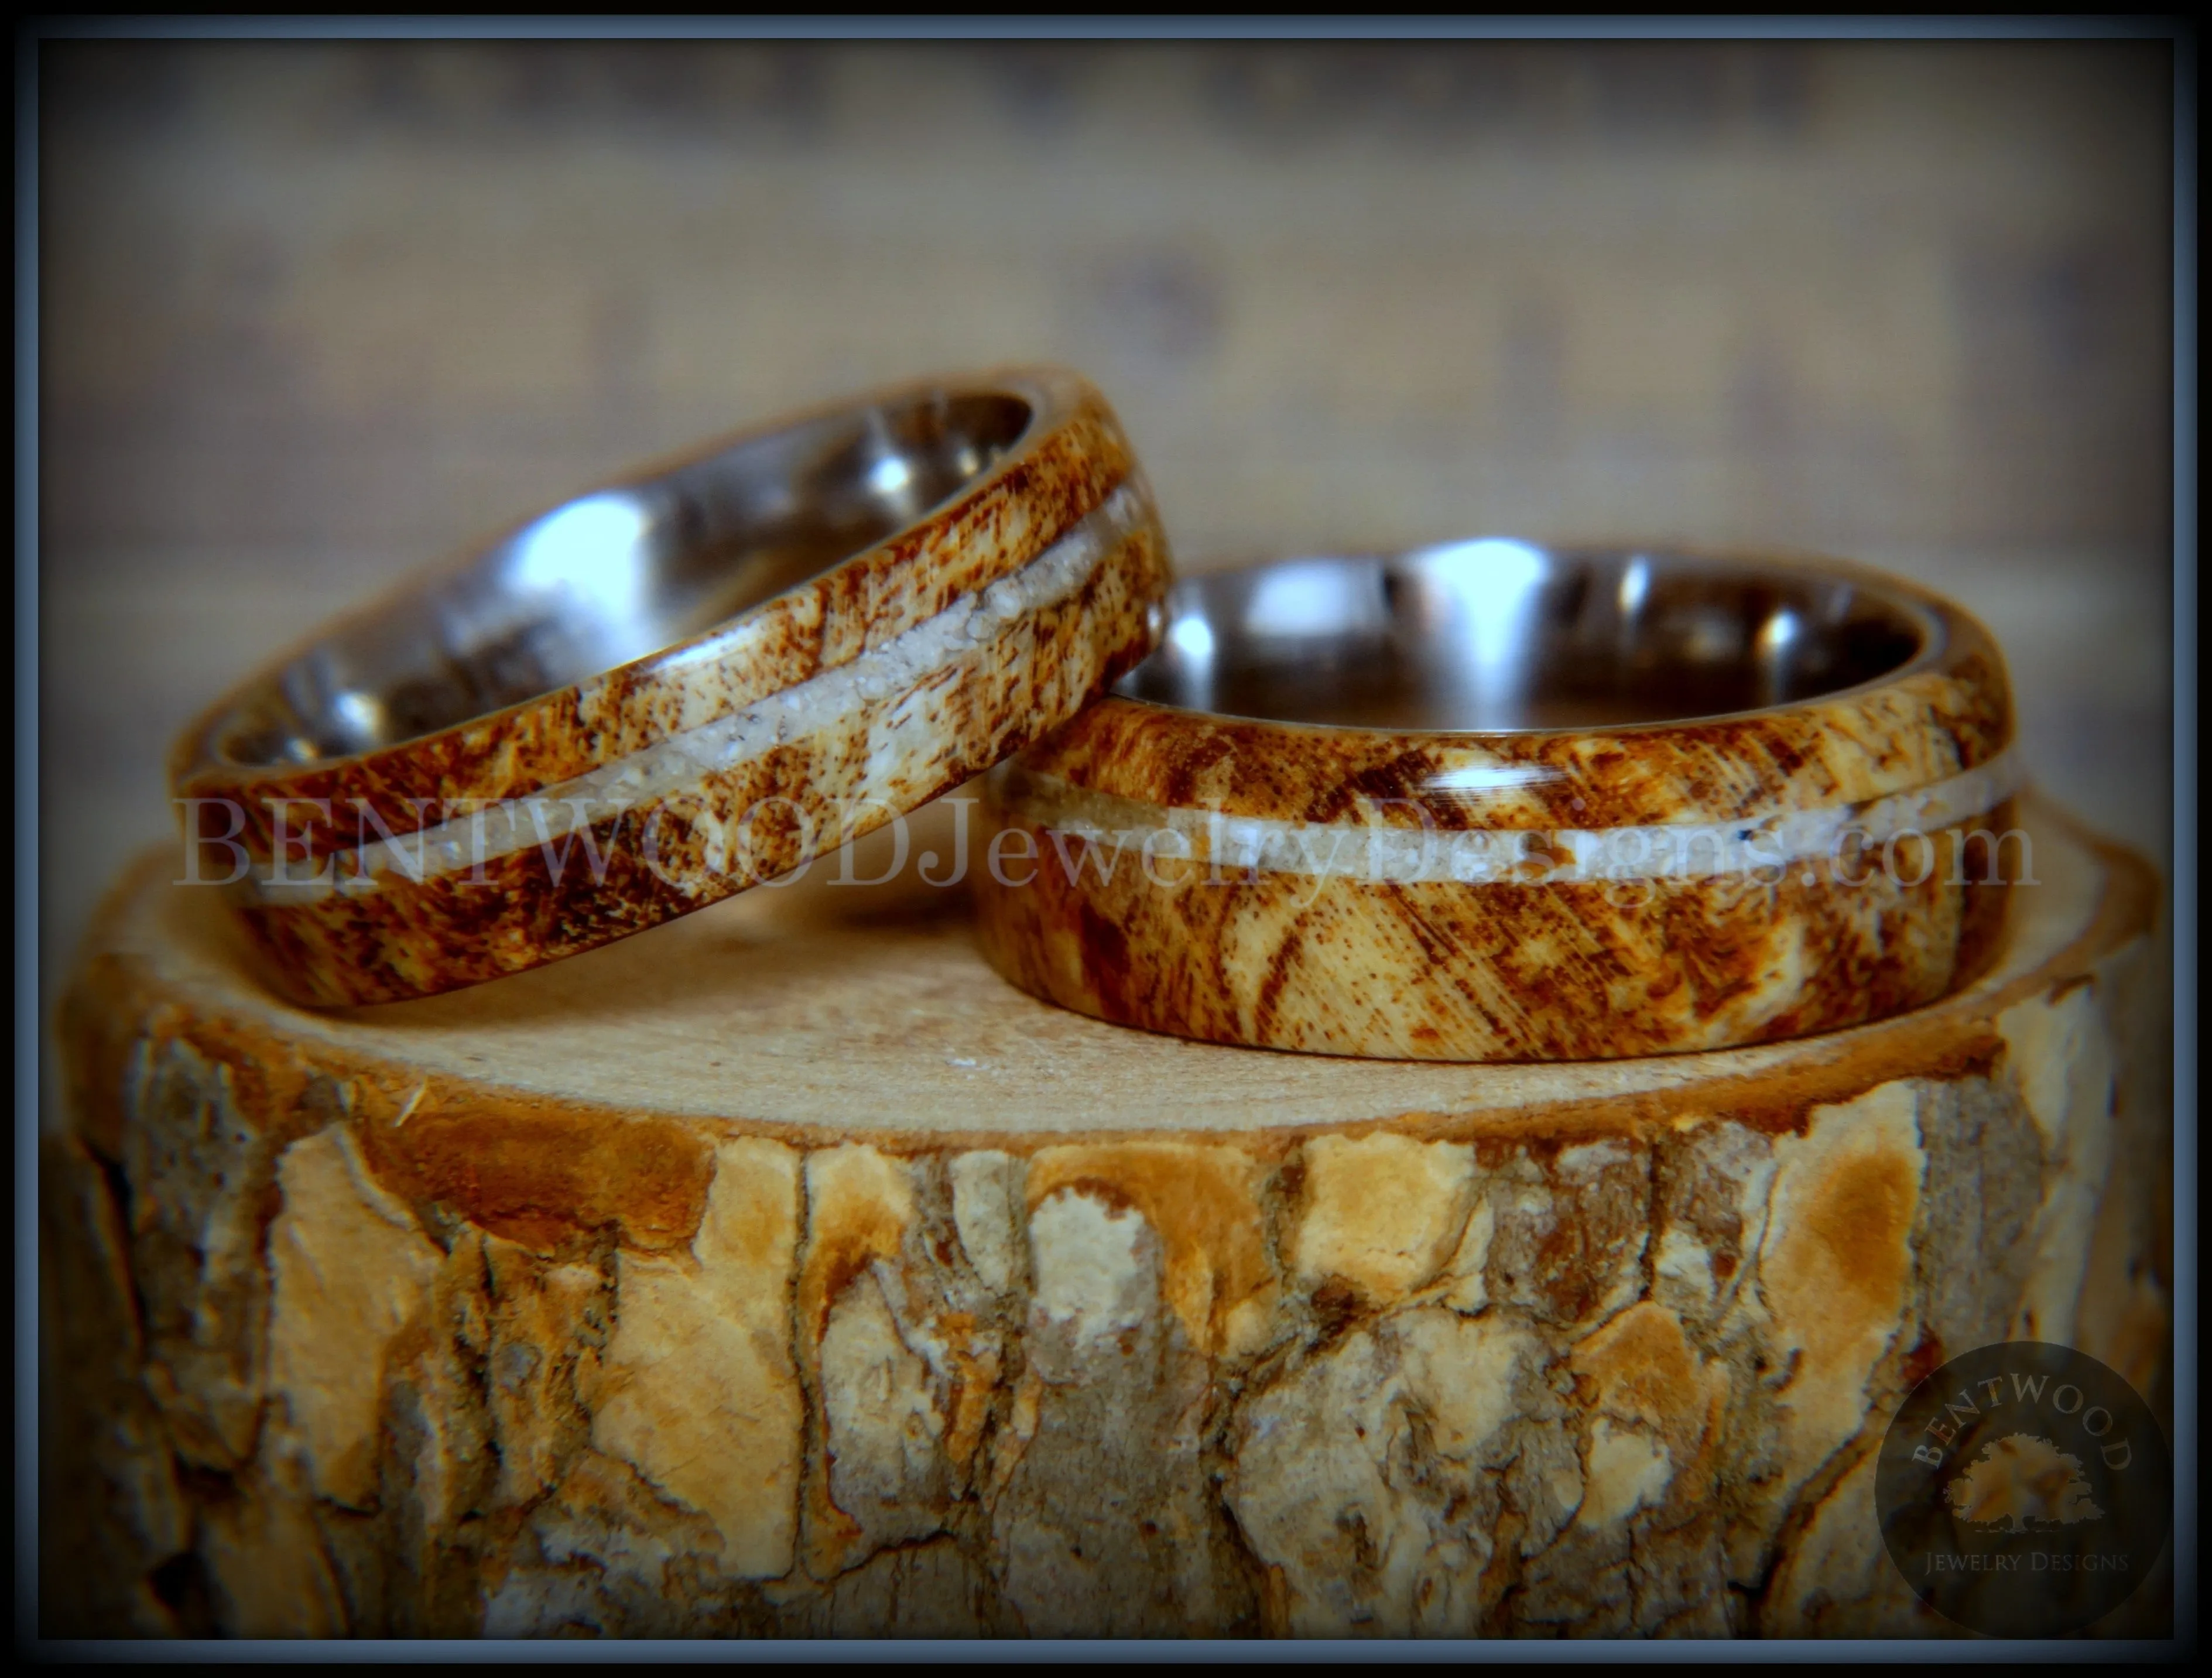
(784, 1271)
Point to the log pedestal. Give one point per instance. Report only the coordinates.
(786, 1272)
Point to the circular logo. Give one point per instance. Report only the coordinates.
(2024, 1489)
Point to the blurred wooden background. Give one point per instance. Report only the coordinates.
(313, 313)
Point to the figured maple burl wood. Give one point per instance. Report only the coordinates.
(784, 1271)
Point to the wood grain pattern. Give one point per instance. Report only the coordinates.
(638, 855)
(1424, 959)
(776, 1309)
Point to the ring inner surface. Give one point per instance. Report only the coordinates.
(624, 573)
(1502, 636)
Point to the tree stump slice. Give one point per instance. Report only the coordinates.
(785, 1271)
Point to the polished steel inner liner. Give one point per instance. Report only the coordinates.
(1498, 635)
(623, 573)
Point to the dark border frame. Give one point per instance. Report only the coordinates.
(29, 1037)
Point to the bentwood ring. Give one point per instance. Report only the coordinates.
(1487, 801)
(677, 686)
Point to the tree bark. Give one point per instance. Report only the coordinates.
(783, 1271)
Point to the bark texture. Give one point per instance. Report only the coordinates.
(1574, 1378)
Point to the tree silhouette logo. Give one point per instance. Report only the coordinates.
(2024, 1490)
(2020, 1483)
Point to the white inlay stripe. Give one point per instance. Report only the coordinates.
(873, 682)
(1842, 836)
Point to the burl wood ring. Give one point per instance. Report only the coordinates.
(676, 687)
(1488, 802)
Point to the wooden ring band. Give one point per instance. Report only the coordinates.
(676, 686)
(1490, 802)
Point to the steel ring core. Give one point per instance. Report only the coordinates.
(676, 686)
(1490, 801)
